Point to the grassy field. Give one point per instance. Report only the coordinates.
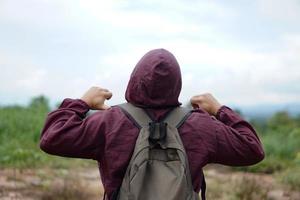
(20, 129)
(280, 136)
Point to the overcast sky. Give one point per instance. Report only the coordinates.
(244, 52)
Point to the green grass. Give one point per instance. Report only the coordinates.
(20, 129)
(280, 136)
(290, 177)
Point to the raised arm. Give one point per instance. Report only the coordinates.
(235, 141)
(68, 132)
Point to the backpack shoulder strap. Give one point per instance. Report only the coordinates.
(136, 114)
(177, 116)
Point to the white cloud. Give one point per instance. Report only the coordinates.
(32, 12)
(210, 61)
(20, 78)
(263, 78)
(288, 10)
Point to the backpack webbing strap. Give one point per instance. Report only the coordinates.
(136, 114)
(203, 188)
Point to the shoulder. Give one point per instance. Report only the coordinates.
(111, 118)
(113, 113)
(200, 114)
(200, 122)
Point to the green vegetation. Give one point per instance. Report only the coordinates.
(280, 136)
(20, 129)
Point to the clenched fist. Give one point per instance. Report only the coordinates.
(206, 102)
(95, 98)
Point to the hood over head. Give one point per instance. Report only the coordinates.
(155, 81)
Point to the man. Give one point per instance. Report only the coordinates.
(109, 136)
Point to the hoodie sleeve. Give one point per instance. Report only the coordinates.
(237, 143)
(68, 132)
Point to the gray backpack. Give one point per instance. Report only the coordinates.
(158, 169)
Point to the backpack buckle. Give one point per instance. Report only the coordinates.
(158, 132)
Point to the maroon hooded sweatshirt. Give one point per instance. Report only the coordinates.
(109, 136)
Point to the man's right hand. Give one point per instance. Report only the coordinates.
(95, 98)
(206, 102)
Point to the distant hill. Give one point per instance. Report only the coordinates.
(267, 110)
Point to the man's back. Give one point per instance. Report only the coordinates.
(109, 136)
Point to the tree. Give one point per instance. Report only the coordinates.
(40, 103)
